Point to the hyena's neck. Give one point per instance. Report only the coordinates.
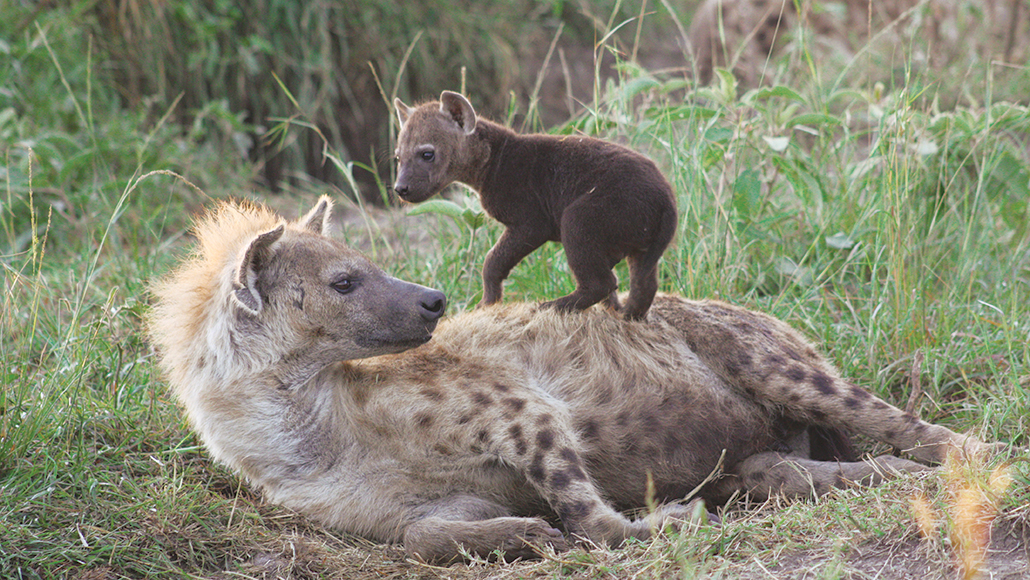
(489, 149)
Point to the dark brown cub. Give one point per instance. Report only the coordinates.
(603, 202)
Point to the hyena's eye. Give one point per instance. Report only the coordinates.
(427, 155)
(344, 285)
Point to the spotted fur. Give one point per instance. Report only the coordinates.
(309, 371)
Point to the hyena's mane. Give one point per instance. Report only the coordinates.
(192, 306)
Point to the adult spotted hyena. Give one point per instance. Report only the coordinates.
(311, 372)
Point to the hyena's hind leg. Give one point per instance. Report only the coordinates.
(767, 474)
(772, 363)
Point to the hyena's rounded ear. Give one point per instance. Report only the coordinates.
(317, 219)
(403, 111)
(459, 109)
(256, 257)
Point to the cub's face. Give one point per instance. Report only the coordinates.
(427, 148)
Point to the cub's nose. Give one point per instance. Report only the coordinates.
(432, 305)
(400, 188)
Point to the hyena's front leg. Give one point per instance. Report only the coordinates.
(478, 527)
(541, 443)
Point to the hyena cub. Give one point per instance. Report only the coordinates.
(602, 201)
(330, 386)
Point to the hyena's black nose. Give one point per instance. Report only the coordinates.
(432, 304)
(401, 189)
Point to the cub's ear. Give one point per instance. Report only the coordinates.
(459, 109)
(403, 111)
(256, 258)
(317, 219)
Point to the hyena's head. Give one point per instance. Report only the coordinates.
(433, 145)
(264, 295)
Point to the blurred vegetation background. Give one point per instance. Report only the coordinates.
(334, 63)
(860, 169)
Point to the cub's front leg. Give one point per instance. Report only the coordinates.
(515, 243)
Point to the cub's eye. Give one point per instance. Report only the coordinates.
(344, 286)
(427, 155)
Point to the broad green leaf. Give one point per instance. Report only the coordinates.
(779, 91)
(747, 193)
(439, 206)
(777, 144)
(815, 119)
(840, 241)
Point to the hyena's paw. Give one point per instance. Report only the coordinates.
(529, 537)
(677, 516)
(969, 447)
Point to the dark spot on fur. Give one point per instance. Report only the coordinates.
(859, 393)
(823, 383)
(591, 430)
(852, 403)
(544, 419)
(774, 360)
(501, 388)
(792, 354)
(483, 436)
(545, 439)
(202, 362)
(818, 415)
(795, 373)
(573, 510)
(622, 419)
(514, 404)
(536, 468)
(482, 399)
(464, 419)
(909, 418)
(889, 434)
(560, 479)
(516, 436)
(424, 420)
(432, 394)
(569, 455)
(744, 359)
(881, 405)
(442, 449)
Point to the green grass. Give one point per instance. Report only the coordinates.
(893, 233)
